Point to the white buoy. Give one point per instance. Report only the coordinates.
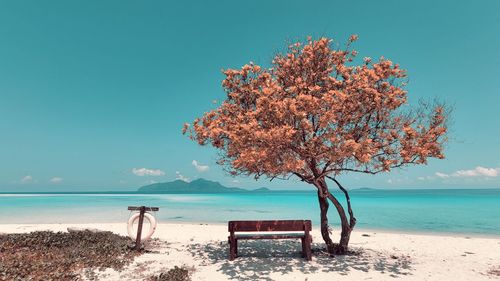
(130, 226)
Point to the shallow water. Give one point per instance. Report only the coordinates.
(450, 211)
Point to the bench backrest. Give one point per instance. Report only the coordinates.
(276, 225)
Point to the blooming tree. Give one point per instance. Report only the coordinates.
(316, 115)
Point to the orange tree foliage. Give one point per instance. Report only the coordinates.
(314, 114)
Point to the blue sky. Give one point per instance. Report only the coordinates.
(93, 94)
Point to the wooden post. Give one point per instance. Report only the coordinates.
(142, 210)
(139, 228)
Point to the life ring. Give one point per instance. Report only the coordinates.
(130, 226)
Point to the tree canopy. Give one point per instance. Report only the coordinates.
(315, 113)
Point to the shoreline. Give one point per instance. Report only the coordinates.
(398, 213)
(361, 229)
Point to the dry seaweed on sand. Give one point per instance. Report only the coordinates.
(175, 274)
(61, 255)
(494, 271)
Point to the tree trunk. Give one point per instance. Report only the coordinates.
(325, 231)
(342, 247)
(345, 234)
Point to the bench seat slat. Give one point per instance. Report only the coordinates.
(270, 236)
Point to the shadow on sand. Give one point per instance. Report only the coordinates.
(258, 260)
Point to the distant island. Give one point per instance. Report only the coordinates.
(196, 186)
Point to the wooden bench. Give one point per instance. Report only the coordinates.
(291, 229)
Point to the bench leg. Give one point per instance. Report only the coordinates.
(233, 248)
(307, 252)
(303, 247)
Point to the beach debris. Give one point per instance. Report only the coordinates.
(46, 255)
(365, 235)
(175, 274)
(494, 271)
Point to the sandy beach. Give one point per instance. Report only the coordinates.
(378, 255)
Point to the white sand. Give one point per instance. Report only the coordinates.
(383, 255)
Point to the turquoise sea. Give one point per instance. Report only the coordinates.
(463, 211)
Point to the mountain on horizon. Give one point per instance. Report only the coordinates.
(197, 186)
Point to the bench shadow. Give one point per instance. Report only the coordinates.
(265, 260)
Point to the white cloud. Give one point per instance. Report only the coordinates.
(479, 171)
(27, 179)
(476, 172)
(141, 172)
(199, 167)
(56, 180)
(442, 175)
(181, 177)
(404, 180)
(425, 178)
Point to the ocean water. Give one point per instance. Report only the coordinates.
(443, 211)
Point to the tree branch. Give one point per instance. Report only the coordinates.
(352, 219)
